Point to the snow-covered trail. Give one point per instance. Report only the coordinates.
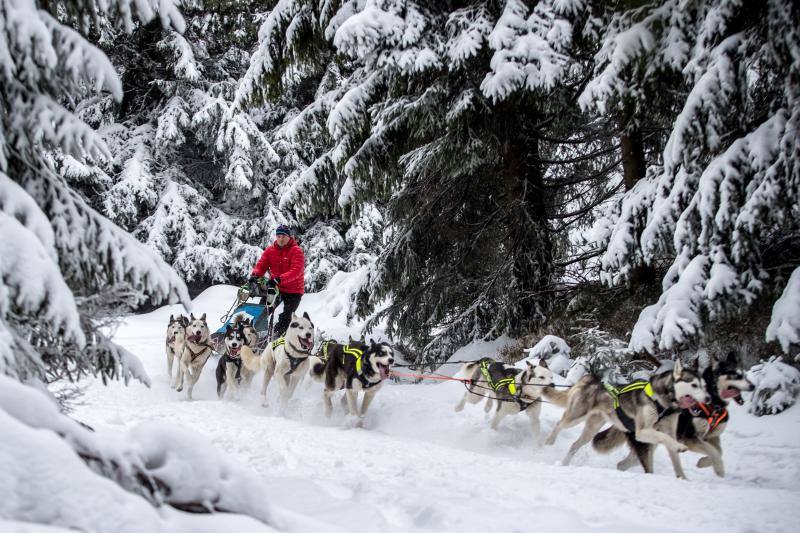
(419, 466)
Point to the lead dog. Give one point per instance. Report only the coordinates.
(515, 390)
(176, 336)
(648, 410)
(700, 427)
(287, 357)
(354, 367)
(195, 353)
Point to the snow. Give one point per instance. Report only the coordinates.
(418, 466)
(776, 386)
(784, 326)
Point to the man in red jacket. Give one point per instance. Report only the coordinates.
(286, 264)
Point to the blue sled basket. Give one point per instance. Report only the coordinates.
(258, 315)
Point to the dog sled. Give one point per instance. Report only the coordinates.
(260, 314)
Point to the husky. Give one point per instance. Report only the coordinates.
(230, 371)
(250, 333)
(176, 335)
(354, 367)
(700, 426)
(647, 411)
(195, 353)
(515, 390)
(287, 357)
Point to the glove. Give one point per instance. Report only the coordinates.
(273, 282)
(252, 282)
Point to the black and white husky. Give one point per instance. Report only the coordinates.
(354, 367)
(286, 357)
(231, 373)
(646, 412)
(195, 353)
(700, 426)
(176, 336)
(515, 390)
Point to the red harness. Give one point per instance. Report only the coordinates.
(714, 416)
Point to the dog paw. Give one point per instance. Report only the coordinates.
(459, 408)
(704, 462)
(680, 448)
(179, 389)
(549, 441)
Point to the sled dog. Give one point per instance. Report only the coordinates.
(700, 426)
(176, 335)
(513, 389)
(287, 357)
(355, 366)
(647, 410)
(195, 353)
(231, 373)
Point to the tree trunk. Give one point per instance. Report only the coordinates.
(529, 242)
(634, 167)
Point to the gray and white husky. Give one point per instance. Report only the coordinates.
(529, 386)
(176, 335)
(700, 426)
(649, 413)
(195, 353)
(355, 367)
(286, 357)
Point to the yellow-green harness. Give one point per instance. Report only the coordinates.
(495, 385)
(358, 354)
(647, 387)
(294, 362)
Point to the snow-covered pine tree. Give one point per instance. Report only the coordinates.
(57, 251)
(195, 175)
(725, 190)
(455, 115)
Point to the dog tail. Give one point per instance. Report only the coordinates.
(556, 396)
(316, 367)
(608, 440)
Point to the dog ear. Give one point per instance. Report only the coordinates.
(171, 319)
(677, 369)
(305, 315)
(732, 359)
(543, 363)
(184, 321)
(228, 329)
(191, 317)
(696, 366)
(528, 362)
(203, 318)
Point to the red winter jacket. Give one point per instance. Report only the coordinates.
(287, 263)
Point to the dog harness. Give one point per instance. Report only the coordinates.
(714, 415)
(626, 420)
(497, 384)
(237, 362)
(193, 354)
(354, 352)
(358, 354)
(294, 362)
(323, 351)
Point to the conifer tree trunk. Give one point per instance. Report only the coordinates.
(634, 167)
(529, 244)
